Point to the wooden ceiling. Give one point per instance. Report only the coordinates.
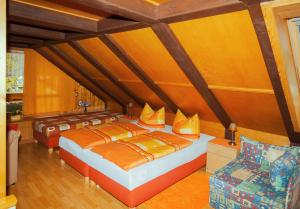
(190, 54)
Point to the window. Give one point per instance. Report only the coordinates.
(294, 30)
(15, 72)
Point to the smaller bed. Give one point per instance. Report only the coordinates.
(47, 130)
(75, 143)
(134, 179)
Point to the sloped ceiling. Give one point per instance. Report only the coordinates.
(104, 55)
(233, 67)
(145, 48)
(238, 78)
(225, 50)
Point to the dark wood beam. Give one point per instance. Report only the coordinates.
(35, 32)
(297, 143)
(116, 24)
(68, 37)
(18, 45)
(268, 55)
(137, 70)
(176, 50)
(133, 9)
(76, 46)
(178, 10)
(66, 71)
(84, 73)
(106, 25)
(33, 15)
(24, 40)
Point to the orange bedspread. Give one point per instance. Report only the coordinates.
(141, 149)
(91, 136)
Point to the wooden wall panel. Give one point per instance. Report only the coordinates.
(145, 93)
(189, 100)
(46, 89)
(148, 52)
(225, 50)
(252, 110)
(61, 62)
(2, 98)
(85, 95)
(115, 90)
(101, 52)
(76, 74)
(81, 61)
(94, 73)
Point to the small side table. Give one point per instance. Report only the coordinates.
(219, 154)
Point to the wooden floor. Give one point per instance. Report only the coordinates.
(43, 183)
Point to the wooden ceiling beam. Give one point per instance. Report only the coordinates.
(34, 15)
(118, 24)
(62, 68)
(84, 73)
(132, 9)
(178, 10)
(24, 40)
(18, 45)
(270, 62)
(176, 50)
(86, 55)
(107, 25)
(137, 70)
(35, 32)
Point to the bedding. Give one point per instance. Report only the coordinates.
(187, 127)
(151, 118)
(46, 130)
(53, 125)
(91, 136)
(141, 149)
(135, 185)
(137, 176)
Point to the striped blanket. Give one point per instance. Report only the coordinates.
(141, 149)
(91, 136)
(51, 126)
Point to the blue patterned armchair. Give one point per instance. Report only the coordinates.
(263, 176)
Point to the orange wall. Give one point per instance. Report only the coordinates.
(47, 89)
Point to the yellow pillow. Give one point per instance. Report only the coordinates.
(151, 118)
(187, 127)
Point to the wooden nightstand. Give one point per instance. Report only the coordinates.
(219, 154)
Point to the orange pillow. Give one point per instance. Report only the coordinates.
(187, 127)
(151, 118)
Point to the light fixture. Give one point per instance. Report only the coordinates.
(129, 110)
(232, 128)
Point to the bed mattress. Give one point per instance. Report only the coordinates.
(140, 175)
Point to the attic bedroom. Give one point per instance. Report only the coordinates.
(150, 104)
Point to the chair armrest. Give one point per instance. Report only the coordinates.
(293, 190)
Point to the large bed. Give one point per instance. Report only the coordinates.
(74, 144)
(140, 183)
(46, 130)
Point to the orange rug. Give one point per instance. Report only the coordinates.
(192, 192)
